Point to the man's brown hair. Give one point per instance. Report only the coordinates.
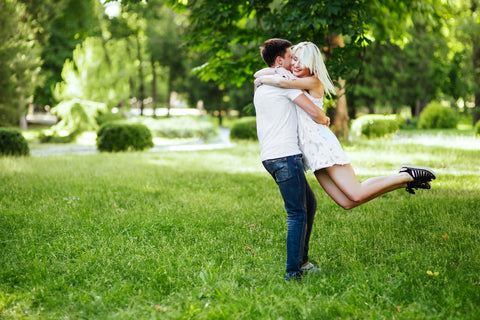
(273, 48)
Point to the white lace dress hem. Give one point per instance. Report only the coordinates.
(320, 147)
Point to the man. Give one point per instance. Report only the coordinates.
(281, 155)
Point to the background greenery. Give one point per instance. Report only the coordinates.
(391, 54)
(201, 235)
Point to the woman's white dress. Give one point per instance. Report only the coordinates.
(320, 147)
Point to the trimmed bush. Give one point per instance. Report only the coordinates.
(244, 129)
(436, 116)
(477, 129)
(13, 143)
(376, 125)
(183, 127)
(117, 136)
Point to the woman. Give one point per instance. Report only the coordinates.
(322, 152)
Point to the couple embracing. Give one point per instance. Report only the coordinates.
(293, 133)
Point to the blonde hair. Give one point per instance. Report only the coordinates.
(310, 57)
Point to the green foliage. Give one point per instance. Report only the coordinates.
(64, 24)
(179, 127)
(98, 72)
(376, 125)
(12, 143)
(76, 116)
(477, 129)
(19, 61)
(118, 136)
(244, 129)
(437, 116)
(230, 32)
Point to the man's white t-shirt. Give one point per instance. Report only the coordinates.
(276, 121)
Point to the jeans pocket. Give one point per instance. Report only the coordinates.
(279, 170)
(282, 174)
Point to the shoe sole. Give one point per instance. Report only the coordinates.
(407, 166)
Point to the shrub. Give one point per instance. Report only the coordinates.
(477, 129)
(376, 125)
(437, 116)
(13, 143)
(183, 127)
(244, 129)
(117, 136)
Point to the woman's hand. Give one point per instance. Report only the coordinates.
(284, 73)
(327, 122)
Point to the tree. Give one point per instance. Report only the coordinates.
(221, 27)
(19, 61)
(65, 24)
(98, 72)
(164, 31)
(467, 44)
(409, 75)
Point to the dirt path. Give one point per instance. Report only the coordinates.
(220, 142)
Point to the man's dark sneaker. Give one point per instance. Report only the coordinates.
(417, 185)
(293, 276)
(419, 174)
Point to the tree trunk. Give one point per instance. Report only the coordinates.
(476, 67)
(220, 118)
(131, 80)
(154, 87)
(476, 76)
(141, 90)
(340, 122)
(171, 94)
(420, 105)
(105, 51)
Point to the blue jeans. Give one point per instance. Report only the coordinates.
(300, 204)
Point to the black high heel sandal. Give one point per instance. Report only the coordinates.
(421, 177)
(417, 185)
(419, 173)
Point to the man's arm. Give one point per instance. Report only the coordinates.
(317, 114)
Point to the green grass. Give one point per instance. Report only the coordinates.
(201, 235)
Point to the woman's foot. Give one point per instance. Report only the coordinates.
(419, 173)
(421, 177)
(417, 185)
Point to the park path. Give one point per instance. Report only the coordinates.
(439, 140)
(220, 142)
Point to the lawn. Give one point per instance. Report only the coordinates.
(201, 235)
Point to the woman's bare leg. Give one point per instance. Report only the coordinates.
(333, 191)
(342, 185)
